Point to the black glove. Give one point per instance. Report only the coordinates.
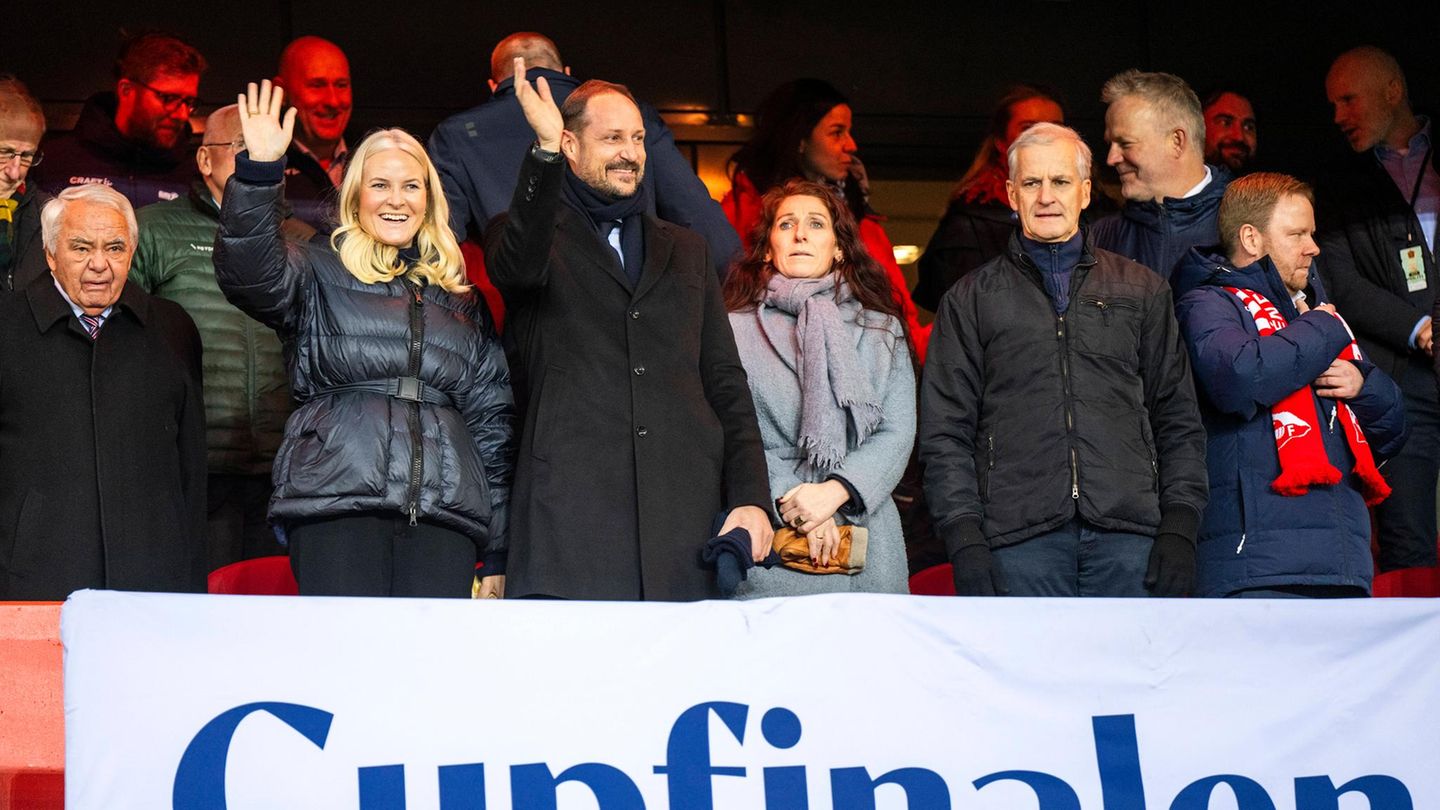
(1172, 566)
(976, 572)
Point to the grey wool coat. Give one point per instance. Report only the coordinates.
(768, 348)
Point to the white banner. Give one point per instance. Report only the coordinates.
(847, 702)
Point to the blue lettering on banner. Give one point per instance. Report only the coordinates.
(690, 772)
(200, 779)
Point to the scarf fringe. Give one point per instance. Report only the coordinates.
(1296, 479)
(1372, 485)
(821, 457)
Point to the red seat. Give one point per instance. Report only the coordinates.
(1408, 582)
(933, 581)
(266, 576)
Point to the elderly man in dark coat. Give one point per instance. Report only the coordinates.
(639, 427)
(102, 426)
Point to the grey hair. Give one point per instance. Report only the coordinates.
(1172, 102)
(94, 193)
(1045, 134)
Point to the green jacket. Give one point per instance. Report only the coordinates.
(247, 397)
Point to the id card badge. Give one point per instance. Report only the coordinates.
(1412, 262)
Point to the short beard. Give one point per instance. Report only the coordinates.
(602, 184)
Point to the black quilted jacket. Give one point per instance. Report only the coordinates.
(443, 452)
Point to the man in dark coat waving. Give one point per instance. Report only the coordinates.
(639, 427)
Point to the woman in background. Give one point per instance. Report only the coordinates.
(978, 223)
(802, 130)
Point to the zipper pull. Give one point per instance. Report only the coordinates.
(412, 514)
(1075, 491)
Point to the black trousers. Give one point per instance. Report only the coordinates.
(236, 522)
(1405, 522)
(380, 555)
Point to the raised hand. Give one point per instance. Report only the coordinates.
(266, 136)
(539, 106)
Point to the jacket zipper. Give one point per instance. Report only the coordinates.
(989, 468)
(1076, 277)
(1069, 416)
(417, 338)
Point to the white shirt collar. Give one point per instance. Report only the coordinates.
(1199, 187)
(73, 307)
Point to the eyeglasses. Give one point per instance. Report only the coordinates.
(238, 144)
(30, 158)
(170, 100)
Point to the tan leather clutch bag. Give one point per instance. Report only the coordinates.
(794, 551)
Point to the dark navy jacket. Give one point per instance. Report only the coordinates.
(1253, 537)
(96, 152)
(1158, 236)
(479, 151)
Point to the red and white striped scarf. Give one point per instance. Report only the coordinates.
(1303, 463)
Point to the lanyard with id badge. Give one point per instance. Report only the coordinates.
(1412, 256)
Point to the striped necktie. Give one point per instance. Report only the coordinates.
(91, 324)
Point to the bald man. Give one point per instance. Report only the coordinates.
(479, 153)
(316, 76)
(247, 398)
(1377, 224)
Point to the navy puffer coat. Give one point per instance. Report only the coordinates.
(1253, 537)
(446, 455)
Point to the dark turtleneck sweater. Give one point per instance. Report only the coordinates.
(1056, 261)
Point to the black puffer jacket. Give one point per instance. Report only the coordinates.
(352, 450)
(1028, 419)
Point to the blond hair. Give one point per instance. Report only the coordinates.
(375, 262)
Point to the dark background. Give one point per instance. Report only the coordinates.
(922, 76)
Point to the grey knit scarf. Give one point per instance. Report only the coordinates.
(836, 398)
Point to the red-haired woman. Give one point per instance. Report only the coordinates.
(825, 347)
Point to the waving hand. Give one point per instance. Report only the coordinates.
(539, 106)
(266, 137)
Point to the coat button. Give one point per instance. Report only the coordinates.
(641, 432)
(634, 314)
(639, 371)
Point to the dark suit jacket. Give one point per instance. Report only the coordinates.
(639, 426)
(479, 151)
(102, 447)
(28, 252)
(1363, 224)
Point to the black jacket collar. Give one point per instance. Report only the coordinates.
(49, 307)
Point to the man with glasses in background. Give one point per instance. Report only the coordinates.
(22, 124)
(247, 397)
(134, 138)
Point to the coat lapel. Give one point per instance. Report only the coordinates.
(658, 246)
(596, 250)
